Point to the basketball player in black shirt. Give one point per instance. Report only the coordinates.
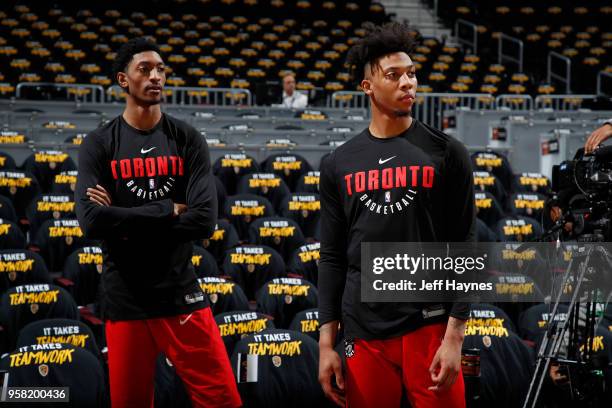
(397, 181)
(145, 190)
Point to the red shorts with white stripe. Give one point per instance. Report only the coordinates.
(191, 343)
(378, 369)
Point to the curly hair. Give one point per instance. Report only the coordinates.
(378, 42)
(128, 50)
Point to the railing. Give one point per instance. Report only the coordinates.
(600, 91)
(567, 78)
(562, 102)
(501, 57)
(180, 95)
(514, 102)
(348, 99)
(473, 44)
(430, 107)
(78, 92)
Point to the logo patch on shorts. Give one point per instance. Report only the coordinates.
(349, 348)
(194, 298)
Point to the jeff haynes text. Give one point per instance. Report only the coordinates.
(436, 285)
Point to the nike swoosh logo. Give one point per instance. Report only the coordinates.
(144, 151)
(381, 161)
(183, 321)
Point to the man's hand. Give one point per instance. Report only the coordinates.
(330, 363)
(179, 209)
(99, 196)
(597, 137)
(446, 364)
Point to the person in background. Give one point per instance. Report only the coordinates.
(291, 97)
(599, 135)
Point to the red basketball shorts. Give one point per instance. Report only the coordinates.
(191, 343)
(378, 369)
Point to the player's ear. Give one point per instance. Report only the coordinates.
(366, 85)
(122, 79)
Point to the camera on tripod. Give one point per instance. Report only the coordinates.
(583, 191)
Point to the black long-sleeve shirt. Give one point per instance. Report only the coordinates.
(415, 187)
(147, 270)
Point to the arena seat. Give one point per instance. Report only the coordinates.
(69, 366)
(292, 370)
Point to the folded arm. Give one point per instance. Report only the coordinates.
(107, 221)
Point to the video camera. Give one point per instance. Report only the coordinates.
(583, 190)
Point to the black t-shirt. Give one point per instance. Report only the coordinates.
(170, 391)
(46, 207)
(516, 288)
(7, 210)
(31, 302)
(18, 267)
(7, 162)
(517, 228)
(282, 234)
(533, 322)
(305, 262)
(288, 166)
(63, 331)
(64, 182)
(514, 258)
(147, 251)
(57, 239)
(76, 139)
(224, 295)
(286, 370)
(308, 182)
(243, 209)
(495, 163)
(488, 209)
(485, 317)
(233, 326)
(531, 183)
(84, 268)
(305, 209)
(505, 368)
(527, 204)
(223, 239)
(251, 266)
(58, 365)
(484, 233)
(283, 298)
(221, 195)
(203, 262)
(45, 164)
(307, 322)
(21, 187)
(415, 187)
(268, 185)
(485, 181)
(13, 137)
(231, 167)
(11, 236)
